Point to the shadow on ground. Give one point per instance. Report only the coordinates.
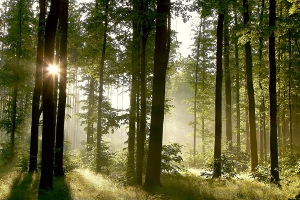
(26, 187)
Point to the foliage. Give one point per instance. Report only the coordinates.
(5, 154)
(171, 160)
(261, 173)
(290, 163)
(232, 161)
(88, 160)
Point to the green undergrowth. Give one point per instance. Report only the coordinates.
(82, 184)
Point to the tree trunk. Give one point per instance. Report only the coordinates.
(195, 94)
(161, 57)
(37, 89)
(218, 99)
(227, 82)
(100, 98)
(262, 98)
(237, 84)
(250, 90)
(142, 132)
(90, 122)
(16, 84)
(48, 106)
(272, 96)
(58, 170)
(133, 98)
(289, 94)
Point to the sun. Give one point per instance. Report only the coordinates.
(53, 69)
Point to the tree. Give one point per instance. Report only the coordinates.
(218, 98)
(63, 20)
(48, 104)
(250, 91)
(100, 97)
(272, 96)
(227, 81)
(135, 60)
(161, 57)
(37, 89)
(146, 27)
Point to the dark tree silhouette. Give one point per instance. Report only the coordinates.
(250, 91)
(48, 104)
(59, 145)
(218, 99)
(272, 96)
(37, 89)
(161, 57)
(100, 98)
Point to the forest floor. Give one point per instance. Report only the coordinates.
(81, 184)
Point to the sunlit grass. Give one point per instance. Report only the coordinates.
(84, 184)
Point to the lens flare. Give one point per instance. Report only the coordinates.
(53, 69)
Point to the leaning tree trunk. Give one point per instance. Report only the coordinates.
(161, 57)
(272, 95)
(48, 106)
(250, 90)
(218, 99)
(37, 89)
(59, 148)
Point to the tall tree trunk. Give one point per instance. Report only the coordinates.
(218, 99)
(250, 90)
(48, 106)
(133, 98)
(262, 98)
(227, 81)
(59, 148)
(161, 58)
(195, 94)
(16, 84)
(100, 98)
(272, 95)
(37, 89)
(237, 84)
(90, 127)
(289, 94)
(142, 132)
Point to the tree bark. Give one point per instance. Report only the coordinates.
(195, 94)
(218, 99)
(48, 106)
(142, 132)
(250, 90)
(90, 122)
(100, 98)
(133, 96)
(58, 169)
(161, 57)
(227, 82)
(237, 84)
(262, 98)
(289, 94)
(272, 96)
(37, 89)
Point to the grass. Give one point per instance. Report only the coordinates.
(81, 184)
